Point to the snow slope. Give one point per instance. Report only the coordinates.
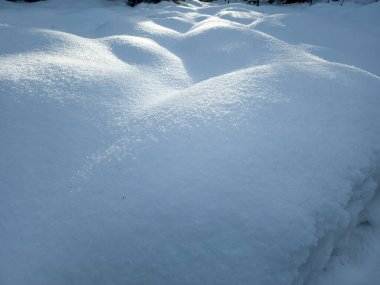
(197, 144)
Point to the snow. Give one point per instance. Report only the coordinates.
(197, 144)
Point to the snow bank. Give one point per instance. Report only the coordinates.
(179, 145)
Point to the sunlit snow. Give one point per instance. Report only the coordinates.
(189, 144)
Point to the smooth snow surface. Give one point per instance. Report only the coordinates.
(197, 144)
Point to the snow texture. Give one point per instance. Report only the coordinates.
(192, 144)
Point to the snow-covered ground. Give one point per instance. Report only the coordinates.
(194, 144)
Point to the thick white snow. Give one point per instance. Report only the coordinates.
(197, 144)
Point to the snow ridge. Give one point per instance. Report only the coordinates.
(183, 145)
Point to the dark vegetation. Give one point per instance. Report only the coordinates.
(29, 1)
(133, 3)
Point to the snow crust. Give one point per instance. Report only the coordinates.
(197, 144)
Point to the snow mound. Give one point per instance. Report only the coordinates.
(193, 145)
